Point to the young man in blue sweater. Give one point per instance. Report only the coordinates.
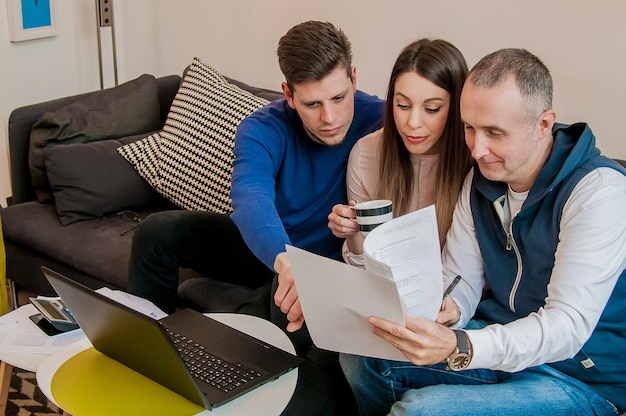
(539, 238)
(289, 171)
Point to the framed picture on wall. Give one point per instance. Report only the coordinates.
(31, 19)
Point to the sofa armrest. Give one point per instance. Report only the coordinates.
(20, 122)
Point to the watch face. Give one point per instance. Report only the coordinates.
(459, 362)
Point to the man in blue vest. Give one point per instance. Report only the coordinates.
(539, 238)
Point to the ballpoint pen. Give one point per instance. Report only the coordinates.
(452, 285)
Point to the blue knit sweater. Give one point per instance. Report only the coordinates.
(284, 185)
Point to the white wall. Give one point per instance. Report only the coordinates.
(583, 44)
(42, 69)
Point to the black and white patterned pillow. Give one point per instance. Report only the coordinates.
(144, 155)
(194, 151)
(198, 139)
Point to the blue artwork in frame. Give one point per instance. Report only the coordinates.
(31, 19)
(35, 13)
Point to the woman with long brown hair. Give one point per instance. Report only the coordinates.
(419, 157)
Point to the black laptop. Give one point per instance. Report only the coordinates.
(193, 355)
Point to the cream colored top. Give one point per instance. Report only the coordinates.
(363, 173)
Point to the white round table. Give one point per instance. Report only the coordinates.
(269, 399)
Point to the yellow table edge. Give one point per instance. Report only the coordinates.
(102, 378)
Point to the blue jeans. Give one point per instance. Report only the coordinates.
(401, 388)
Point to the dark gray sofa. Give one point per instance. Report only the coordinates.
(95, 251)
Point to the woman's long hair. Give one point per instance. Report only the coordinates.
(443, 64)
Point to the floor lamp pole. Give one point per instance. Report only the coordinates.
(104, 18)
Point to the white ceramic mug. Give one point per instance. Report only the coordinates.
(370, 214)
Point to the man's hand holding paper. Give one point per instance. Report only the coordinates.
(402, 277)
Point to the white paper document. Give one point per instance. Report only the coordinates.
(134, 302)
(402, 276)
(406, 249)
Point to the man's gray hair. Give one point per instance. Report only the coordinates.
(530, 74)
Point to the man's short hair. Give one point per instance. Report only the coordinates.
(530, 74)
(311, 50)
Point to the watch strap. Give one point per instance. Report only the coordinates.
(462, 341)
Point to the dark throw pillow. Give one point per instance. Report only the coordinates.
(128, 109)
(90, 180)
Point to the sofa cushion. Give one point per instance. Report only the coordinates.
(90, 180)
(194, 151)
(99, 248)
(128, 109)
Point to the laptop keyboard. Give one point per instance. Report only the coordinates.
(215, 371)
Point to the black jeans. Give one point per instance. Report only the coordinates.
(207, 242)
